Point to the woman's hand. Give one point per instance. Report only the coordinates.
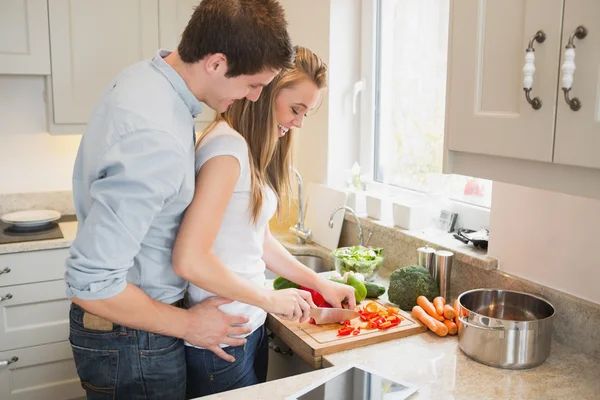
(335, 293)
(291, 304)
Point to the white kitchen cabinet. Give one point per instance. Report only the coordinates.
(578, 132)
(487, 109)
(33, 314)
(91, 43)
(34, 328)
(174, 15)
(40, 372)
(32, 266)
(24, 43)
(492, 130)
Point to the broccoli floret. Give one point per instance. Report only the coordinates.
(408, 283)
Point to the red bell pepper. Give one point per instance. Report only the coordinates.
(316, 296)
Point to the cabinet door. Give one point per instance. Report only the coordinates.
(24, 44)
(32, 266)
(578, 132)
(174, 15)
(42, 372)
(33, 314)
(487, 112)
(91, 43)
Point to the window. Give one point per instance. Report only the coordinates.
(406, 108)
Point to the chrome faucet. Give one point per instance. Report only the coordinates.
(302, 234)
(349, 209)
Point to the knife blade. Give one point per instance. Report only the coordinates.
(332, 315)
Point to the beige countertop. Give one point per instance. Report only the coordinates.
(442, 372)
(69, 229)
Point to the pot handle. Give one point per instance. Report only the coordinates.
(486, 328)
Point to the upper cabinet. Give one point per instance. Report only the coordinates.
(577, 139)
(24, 47)
(507, 117)
(487, 109)
(91, 44)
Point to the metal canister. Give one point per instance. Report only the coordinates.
(443, 270)
(425, 257)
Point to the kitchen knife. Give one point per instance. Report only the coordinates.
(332, 315)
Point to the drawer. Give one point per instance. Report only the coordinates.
(33, 314)
(41, 372)
(32, 266)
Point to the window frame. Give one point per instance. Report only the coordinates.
(371, 9)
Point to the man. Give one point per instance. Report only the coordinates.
(134, 178)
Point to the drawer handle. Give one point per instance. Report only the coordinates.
(7, 297)
(529, 70)
(5, 271)
(568, 67)
(4, 363)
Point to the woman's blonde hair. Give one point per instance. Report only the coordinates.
(270, 156)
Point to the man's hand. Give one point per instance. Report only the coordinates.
(208, 327)
(291, 304)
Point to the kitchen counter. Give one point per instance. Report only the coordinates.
(69, 229)
(441, 371)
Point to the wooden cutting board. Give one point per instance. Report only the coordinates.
(312, 342)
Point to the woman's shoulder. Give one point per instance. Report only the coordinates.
(223, 133)
(220, 141)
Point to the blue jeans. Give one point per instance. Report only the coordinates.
(126, 363)
(209, 374)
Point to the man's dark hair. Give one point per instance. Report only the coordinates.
(252, 34)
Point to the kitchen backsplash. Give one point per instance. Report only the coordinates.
(59, 201)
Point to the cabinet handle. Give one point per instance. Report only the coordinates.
(529, 70)
(4, 363)
(7, 297)
(568, 67)
(5, 271)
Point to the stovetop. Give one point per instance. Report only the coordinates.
(11, 234)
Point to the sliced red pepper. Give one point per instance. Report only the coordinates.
(345, 330)
(356, 331)
(324, 304)
(312, 321)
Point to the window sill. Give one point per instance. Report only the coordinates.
(434, 238)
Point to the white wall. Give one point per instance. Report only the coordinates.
(328, 141)
(547, 237)
(31, 160)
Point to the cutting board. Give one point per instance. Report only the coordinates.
(312, 342)
(320, 203)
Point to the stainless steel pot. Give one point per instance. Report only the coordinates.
(505, 329)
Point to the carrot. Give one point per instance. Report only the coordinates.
(434, 325)
(452, 329)
(456, 308)
(449, 312)
(426, 305)
(439, 303)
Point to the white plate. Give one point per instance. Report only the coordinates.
(31, 218)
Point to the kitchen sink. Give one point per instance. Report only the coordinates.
(316, 263)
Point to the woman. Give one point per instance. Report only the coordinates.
(243, 164)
